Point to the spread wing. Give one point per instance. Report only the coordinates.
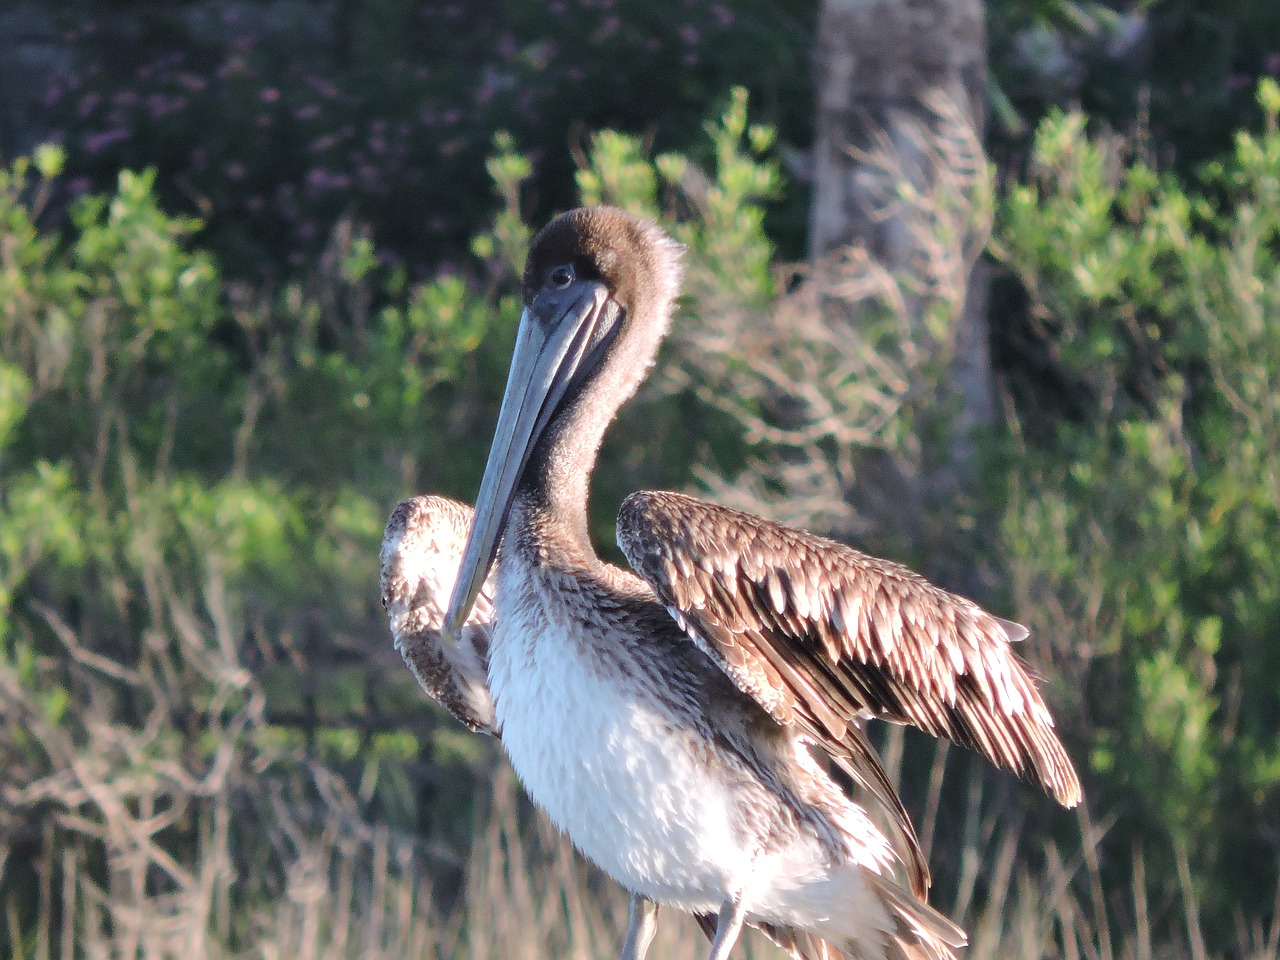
(421, 551)
(820, 633)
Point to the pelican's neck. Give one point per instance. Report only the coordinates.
(553, 498)
(551, 510)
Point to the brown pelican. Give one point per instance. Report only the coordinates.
(677, 724)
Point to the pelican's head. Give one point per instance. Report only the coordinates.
(597, 293)
(631, 258)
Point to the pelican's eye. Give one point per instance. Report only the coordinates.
(561, 276)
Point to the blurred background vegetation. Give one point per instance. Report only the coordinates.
(258, 272)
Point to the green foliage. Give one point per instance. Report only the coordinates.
(1152, 516)
(194, 476)
(158, 523)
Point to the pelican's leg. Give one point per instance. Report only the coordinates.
(728, 926)
(642, 924)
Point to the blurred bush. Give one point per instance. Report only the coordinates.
(1141, 526)
(204, 732)
(271, 121)
(199, 705)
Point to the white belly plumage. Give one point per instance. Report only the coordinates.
(638, 795)
(613, 773)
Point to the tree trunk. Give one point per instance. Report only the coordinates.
(900, 174)
(883, 66)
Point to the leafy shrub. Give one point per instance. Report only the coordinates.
(197, 700)
(1141, 531)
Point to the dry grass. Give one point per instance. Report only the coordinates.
(157, 822)
(349, 889)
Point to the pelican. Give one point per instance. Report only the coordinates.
(680, 722)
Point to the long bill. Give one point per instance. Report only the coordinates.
(550, 345)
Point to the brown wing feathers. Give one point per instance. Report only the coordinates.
(808, 626)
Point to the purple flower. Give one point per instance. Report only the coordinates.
(323, 87)
(270, 95)
(78, 185)
(309, 112)
(88, 103)
(192, 82)
(690, 35)
(161, 105)
(723, 15)
(234, 171)
(97, 142)
(319, 180)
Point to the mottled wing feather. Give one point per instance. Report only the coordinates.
(421, 551)
(813, 628)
